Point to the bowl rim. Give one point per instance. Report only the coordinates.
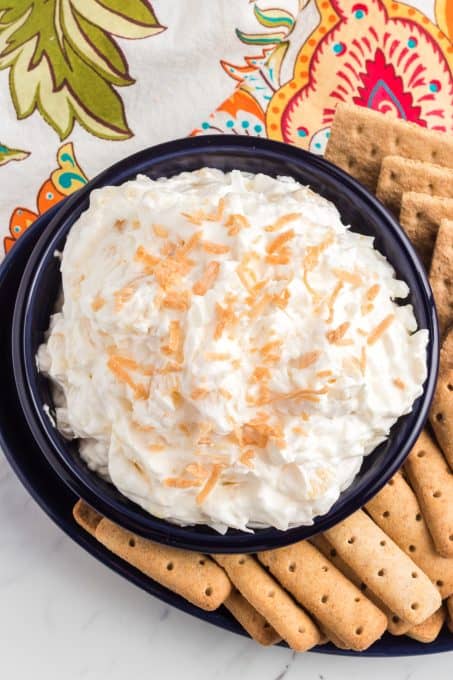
(24, 365)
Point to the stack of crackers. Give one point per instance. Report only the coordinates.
(389, 566)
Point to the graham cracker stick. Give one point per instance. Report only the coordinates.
(192, 575)
(441, 413)
(86, 516)
(271, 601)
(385, 568)
(429, 630)
(432, 481)
(397, 511)
(360, 138)
(441, 275)
(256, 625)
(326, 593)
(395, 625)
(398, 175)
(420, 217)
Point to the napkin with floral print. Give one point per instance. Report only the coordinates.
(84, 83)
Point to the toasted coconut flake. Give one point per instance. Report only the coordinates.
(308, 359)
(159, 230)
(169, 368)
(225, 393)
(176, 398)
(142, 428)
(215, 248)
(124, 295)
(197, 470)
(142, 255)
(300, 430)
(217, 356)
(380, 329)
(210, 484)
(97, 303)
(252, 434)
(348, 277)
(206, 282)
(312, 253)
(323, 374)
(399, 383)
(363, 359)
(307, 395)
(218, 214)
(372, 292)
(335, 336)
(125, 361)
(181, 483)
(225, 317)
(189, 245)
(258, 308)
(184, 427)
(198, 393)
(281, 299)
(156, 448)
(305, 416)
(332, 299)
(279, 241)
(260, 374)
(246, 457)
(176, 300)
(282, 221)
(120, 372)
(196, 217)
(135, 224)
(236, 222)
(119, 224)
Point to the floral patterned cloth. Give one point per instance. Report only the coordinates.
(86, 82)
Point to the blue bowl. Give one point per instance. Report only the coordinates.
(41, 283)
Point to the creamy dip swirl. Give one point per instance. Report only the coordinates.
(228, 351)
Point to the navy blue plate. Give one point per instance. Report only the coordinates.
(41, 282)
(56, 499)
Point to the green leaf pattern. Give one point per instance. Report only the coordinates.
(65, 63)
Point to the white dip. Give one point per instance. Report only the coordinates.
(227, 349)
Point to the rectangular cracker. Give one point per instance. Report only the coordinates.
(360, 138)
(441, 413)
(256, 625)
(395, 625)
(86, 516)
(432, 481)
(190, 574)
(271, 601)
(399, 175)
(420, 217)
(441, 275)
(429, 630)
(326, 593)
(397, 511)
(385, 568)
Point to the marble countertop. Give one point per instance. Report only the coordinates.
(64, 616)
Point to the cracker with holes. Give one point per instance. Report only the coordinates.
(86, 516)
(432, 481)
(429, 630)
(271, 601)
(441, 414)
(395, 625)
(325, 592)
(385, 568)
(361, 137)
(397, 511)
(256, 625)
(193, 576)
(420, 217)
(399, 175)
(441, 274)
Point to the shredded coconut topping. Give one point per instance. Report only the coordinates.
(228, 350)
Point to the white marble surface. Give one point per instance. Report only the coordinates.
(64, 616)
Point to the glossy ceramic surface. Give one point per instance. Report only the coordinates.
(50, 490)
(41, 282)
